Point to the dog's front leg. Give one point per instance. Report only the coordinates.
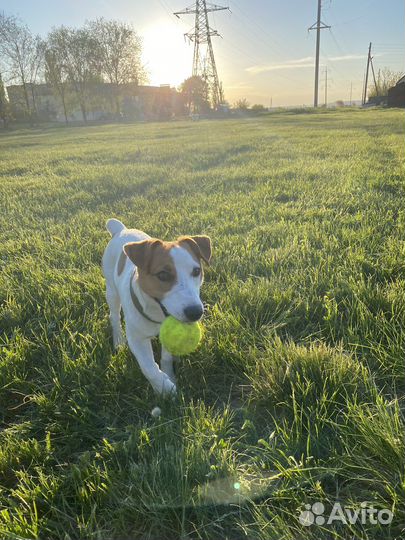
(166, 363)
(142, 350)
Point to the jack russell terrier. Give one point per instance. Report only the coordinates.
(151, 279)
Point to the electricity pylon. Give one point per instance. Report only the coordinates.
(318, 26)
(204, 64)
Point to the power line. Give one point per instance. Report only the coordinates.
(366, 14)
(167, 9)
(281, 47)
(338, 46)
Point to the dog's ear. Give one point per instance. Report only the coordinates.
(141, 253)
(199, 245)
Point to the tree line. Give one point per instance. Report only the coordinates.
(73, 61)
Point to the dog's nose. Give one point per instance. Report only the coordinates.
(193, 313)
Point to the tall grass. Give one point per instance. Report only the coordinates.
(296, 395)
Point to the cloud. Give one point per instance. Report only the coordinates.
(301, 60)
(347, 57)
(263, 69)
(240, 86)
(307, 62)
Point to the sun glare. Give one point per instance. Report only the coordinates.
(167, 56)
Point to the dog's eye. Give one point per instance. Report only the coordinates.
(196, 271)
(164, 276)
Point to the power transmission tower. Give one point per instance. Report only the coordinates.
(318, 26)
(203, 60)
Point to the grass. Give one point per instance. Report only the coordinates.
(296, 395)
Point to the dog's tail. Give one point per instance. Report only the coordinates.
(114, 226)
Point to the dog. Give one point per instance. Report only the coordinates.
(150, 279)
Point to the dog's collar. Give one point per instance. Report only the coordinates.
(162, 307)
(138, 305)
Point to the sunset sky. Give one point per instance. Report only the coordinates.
(266, 53)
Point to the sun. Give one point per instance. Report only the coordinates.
(166, 55)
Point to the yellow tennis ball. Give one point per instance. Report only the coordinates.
(179, 338)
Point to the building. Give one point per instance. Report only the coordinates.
(103, 102)
(39, 97)
(151, 102)
(396, 94)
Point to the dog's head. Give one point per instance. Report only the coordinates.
(172, 272)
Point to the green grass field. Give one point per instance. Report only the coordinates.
(297, 394)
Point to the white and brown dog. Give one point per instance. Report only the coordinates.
(150, 279)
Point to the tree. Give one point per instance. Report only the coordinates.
(55, 73)
(4, 105)
(386, 78)
(195, 92)
(23, 55)
(36, 66)
(74, 58)
(242, 104)
(258, 107)
(118, 55)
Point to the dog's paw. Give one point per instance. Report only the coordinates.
(119, 341)
(172, 377)
(166, 387)
(169, 371)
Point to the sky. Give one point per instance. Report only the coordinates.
(265, 53)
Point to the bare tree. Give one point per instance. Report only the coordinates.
(76, 53)
(3, 95)
(4, 105)
(118, 55)
(386, 78)
(23, 55)
(242, 104)
(56, 74)
(36, 66)
(72, 61)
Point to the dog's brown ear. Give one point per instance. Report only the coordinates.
(199, 245)
(141, 253)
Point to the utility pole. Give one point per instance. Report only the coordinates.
(351, 93)
(375, 80)
(366, 79)
(318, 26)
(326, 87)
(204, 65)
